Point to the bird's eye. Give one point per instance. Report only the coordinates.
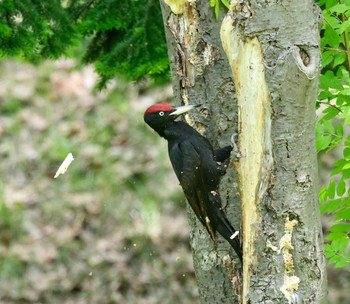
(161, 113)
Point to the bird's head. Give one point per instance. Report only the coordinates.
(158, 116)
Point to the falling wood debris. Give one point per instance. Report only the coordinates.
(65, 164)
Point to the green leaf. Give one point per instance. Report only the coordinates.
(339, 241)
(330, 112)
(323, 142)
(331, 20)
(341, 188)
(339, 166)
(226, 3)
(343, 74)
(331, 189)
(344, 26)
(342, 263)
(325, 94)
(329, 80)
(340, 129)
(323, 194)
(215, 4)
(346, 153)
(347, 141)
(328, 126)
(331, 206)
(346, 118)
(346, 174)
(339, 228)
(342, 100)
(334, 143)
(346, 166)
(343, 215)
(346, 91)
(217, 9)
(327, 57)
(339, 8)
(331, 3)
(339, 59)
(334, 259)
(323, 208)
(331, 37)
(329, 251)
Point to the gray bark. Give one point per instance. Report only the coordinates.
(271, 70)
(207, 81)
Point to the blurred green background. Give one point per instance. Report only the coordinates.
(113, 229)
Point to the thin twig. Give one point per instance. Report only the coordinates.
(333, 49)
(331, 105)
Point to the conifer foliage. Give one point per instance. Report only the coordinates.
(34, 29)
(119, 37)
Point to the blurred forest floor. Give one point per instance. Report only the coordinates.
(113, 229)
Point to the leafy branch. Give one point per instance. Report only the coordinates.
(125, 39)
(334, 100)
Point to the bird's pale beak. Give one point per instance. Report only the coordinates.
(184, 109)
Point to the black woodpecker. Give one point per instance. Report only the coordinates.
(197, 166)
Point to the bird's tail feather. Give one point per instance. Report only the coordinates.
(233, 238)
(223, 226)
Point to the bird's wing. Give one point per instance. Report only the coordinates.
(195, 179)
(187, 165)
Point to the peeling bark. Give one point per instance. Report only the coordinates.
(265, 85)
(255, 164)
(273, 50)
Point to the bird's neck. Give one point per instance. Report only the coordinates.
(177, 130)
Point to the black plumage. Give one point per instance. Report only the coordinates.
(197, 166)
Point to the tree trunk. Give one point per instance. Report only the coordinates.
(201, 75)
(265, 85)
